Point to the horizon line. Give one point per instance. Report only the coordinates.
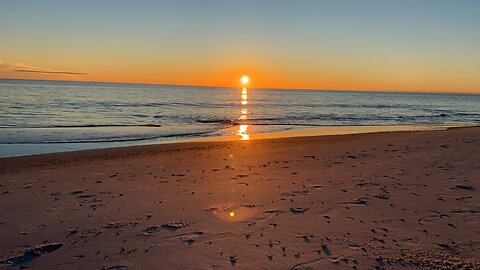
(266, 88)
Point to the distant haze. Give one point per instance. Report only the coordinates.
(410, 45)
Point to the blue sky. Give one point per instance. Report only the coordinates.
(416, 45)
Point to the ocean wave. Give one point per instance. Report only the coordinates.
(84, 126)
(327, 119)
(306, 119)
(216, 121)
(155, 104)
(106, 139)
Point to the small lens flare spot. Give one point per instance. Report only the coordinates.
(232, 214)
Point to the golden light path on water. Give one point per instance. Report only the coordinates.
(244, 96)
(243, 129)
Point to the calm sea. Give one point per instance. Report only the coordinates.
(40, 113)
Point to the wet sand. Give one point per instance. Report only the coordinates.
(399, 200)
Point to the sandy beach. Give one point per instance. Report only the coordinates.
(396, 200)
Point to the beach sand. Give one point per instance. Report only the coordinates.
(397, 200)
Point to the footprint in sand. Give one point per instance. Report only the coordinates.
(115, 267)
(31, 254)
(172, 226)
(150, 230)
(298, 210)
(382, 196)
(359, 201)
(233, 259)
(465, 187)
(326, 250)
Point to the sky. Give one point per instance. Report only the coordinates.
(408, 45)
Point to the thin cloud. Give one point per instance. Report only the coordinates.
(21, 67)
(50, 72)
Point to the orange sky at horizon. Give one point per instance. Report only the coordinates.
(279, 73)
(262, 78)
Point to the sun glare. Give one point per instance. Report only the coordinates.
(245, 80)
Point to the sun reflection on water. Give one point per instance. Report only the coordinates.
(242, 131)
(243, 128)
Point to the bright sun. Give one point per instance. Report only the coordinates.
(245, 79)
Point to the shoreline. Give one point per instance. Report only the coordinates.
(396, 200)
(230, 134)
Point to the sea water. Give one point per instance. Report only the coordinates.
(49, 116)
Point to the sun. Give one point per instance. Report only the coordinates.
(245, 80)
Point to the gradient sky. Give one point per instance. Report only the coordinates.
(408, 45)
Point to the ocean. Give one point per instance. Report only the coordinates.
(50, 116)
